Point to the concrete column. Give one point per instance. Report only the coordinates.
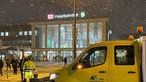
(46, 54)
(59, 53)
(22, 52)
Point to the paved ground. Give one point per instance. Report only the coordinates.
(43, 68)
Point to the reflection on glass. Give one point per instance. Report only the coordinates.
(66, 36)
(52, 36)
(95, 32)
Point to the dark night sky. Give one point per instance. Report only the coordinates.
(123, 15)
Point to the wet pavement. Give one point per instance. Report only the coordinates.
(43, 68)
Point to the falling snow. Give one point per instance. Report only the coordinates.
(122, 14)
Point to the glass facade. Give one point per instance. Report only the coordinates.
(81, 35)
(95, 32)
(52, 36)
(55, 38)
(39, 41)
(66, 36)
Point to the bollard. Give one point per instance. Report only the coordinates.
(35, 78)
(35, 75)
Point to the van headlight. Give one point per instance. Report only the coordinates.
(53, 76)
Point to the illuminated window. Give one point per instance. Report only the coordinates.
(30, 33)
(20, 33)
(36, 32)
(25, 32)
(6, 33)
(2, 33)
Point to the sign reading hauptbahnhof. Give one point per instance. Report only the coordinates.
(61, 16)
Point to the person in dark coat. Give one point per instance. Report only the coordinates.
(22, 61)
(65, 61)
(8, 63)
(1, 67)
(15, 65)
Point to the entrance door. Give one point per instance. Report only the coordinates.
(124, 67)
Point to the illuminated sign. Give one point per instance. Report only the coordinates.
(65, 16)
(50, 16)
(82, 14)
(53, 16)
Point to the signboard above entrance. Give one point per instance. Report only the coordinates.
(61, 16)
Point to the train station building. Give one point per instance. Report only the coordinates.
(53, 40)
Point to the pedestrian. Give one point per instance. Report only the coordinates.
(28, 67)
(8, 64)
(22, 61)
(44, 58)
(65, 61)
(15, 65)
(1, 67)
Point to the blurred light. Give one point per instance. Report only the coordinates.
(131, 37)
(139, 29)
(79, 66)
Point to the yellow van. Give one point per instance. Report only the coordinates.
(109, 61)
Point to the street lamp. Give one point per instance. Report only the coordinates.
(109, 33)
(74, 43)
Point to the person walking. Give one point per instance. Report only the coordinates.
(15, 65)
(8, 63)
(65, 61)
(28, 68)
(22, 61)
(1, 67)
